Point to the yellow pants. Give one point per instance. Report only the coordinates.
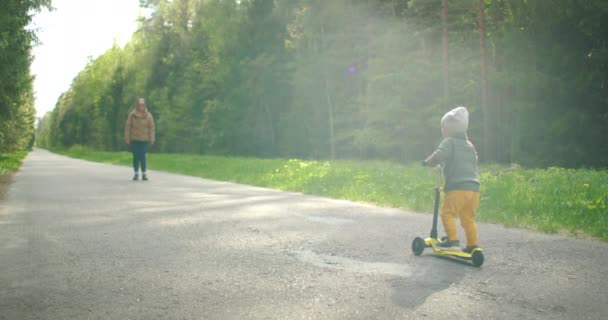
(463, 204)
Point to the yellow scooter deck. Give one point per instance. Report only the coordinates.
(433, 243)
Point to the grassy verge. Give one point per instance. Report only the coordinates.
(10, 162)
(550, 200)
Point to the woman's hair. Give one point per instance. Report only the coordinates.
(136, 104)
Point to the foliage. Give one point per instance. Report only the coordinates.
(10, 162)
(351, 79)
(16, 92)
(550, 200)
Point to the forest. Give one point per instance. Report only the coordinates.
(17, 113)
(339, 79)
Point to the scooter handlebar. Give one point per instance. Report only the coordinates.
(424, 163)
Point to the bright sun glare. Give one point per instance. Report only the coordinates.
(71, 34)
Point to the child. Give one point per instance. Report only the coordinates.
(459, 159)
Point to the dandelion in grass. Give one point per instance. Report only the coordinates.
(585, 185)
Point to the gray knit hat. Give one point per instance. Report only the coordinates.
(456, 120)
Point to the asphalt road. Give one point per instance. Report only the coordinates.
(79, 240)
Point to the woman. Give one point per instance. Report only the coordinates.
(139, 133)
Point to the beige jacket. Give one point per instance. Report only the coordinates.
(139, 127)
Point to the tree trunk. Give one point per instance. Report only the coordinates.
(330, 106)
(330, 111)
(446, 57)
(394, 9)
(270, 127)
(484, 82)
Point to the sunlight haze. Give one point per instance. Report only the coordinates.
(71, 34)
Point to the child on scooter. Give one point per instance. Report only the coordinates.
(459, 159)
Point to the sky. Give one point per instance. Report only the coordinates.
(69, 35)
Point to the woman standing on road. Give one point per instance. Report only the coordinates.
(139, 133)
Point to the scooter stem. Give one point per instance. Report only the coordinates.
(436, 208)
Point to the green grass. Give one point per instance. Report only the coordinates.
(10, 162)
(549, 200)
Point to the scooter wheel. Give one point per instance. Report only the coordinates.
(477, 258)
(418, 246)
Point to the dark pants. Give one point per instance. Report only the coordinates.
(139, 149)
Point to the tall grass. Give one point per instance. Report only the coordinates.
(550, 200)
(10, 162)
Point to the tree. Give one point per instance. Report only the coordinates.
(365, 79)
(16, 91)
(487, 141)
(446, 55)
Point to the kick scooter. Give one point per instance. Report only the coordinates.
(476, 256)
